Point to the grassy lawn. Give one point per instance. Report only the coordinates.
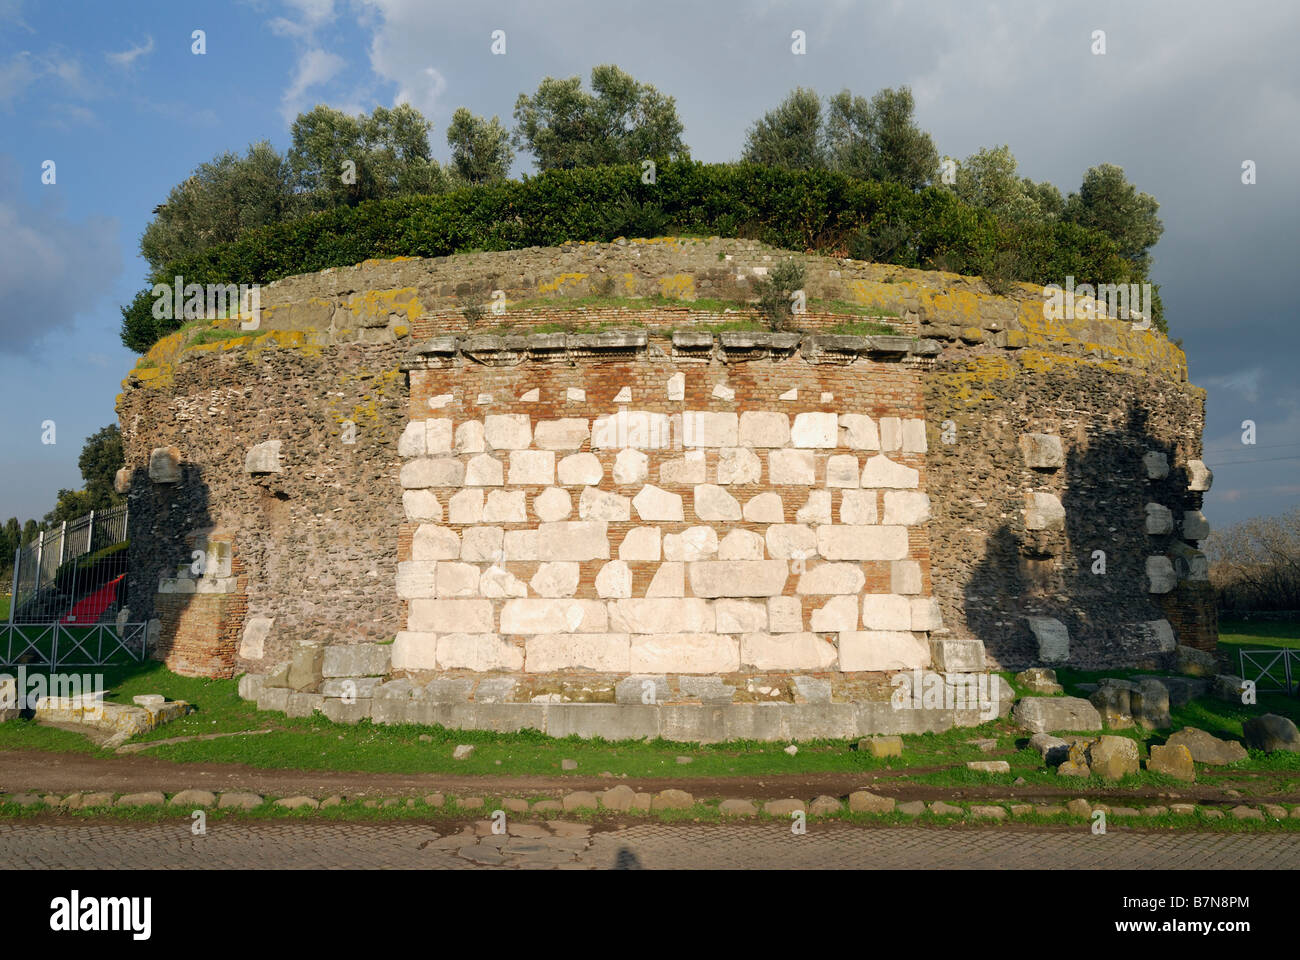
(317, 744)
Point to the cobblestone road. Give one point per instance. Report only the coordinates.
(561, 845)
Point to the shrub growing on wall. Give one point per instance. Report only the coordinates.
(817, 210)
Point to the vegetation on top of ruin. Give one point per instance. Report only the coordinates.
(854, 178)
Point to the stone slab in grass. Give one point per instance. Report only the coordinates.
(1053, 714)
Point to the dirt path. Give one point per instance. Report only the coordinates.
(41, 771)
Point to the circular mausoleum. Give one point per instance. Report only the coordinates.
(614, 505)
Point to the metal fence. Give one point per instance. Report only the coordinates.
(1276, 670)
(56, 645)
(46, 585)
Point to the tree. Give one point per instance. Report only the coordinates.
(789, 136)
(621, 121)
(101, 457)
(1108, 202)
(31, 530)
(901, 152)
(218, 202)
(480, 149)
(341, 160)
(989, 179)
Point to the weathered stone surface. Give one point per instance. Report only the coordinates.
(712, 503)
(505, 506)
(1042, 451)
(672, 800)
(477, 651)
(988, 766)
(1043, 511)
(690, 468)
(471, 616)
(905, 507)
(891, 434)
(568, 433)
(1194, 662)
(239, 801)
(914, 440)
(641, 545)
(573, 540)
(596, 504)
(817, 509)
(738, 578)
(791, 468)
(741, 545)
(631, 466)
(669, 580)
(886, 611)
(1271, 733)
(1160, 519)
(484, 471)
(1039, 680)
(533, 616)
(511, 431)
(786, 541)
(531, 468)
(838, 614)
(740, 616)
(614, 580)
(165, 465)
(1160, 575)
(858, 432)
(1173, 760)
(466, 506)
(684, 652)
(786, 651)
(926, 614)
(421, 505)
(552, 504)
(661, 616)
(1199, 476)
(764, 508)
(265, 458)
(864, 801)
(848, 542)
(815, 430)
(1051, 714)
(556, 579)
(600, 652)
(952, 655)
(704, 429)
(432, 472)
(1054, 750)
(737, 465)
(579, 469)
(1195, 526)
(881, 472)
(693, 543)
(784, 614)
(1206, 748)
(1053, 639)
(762, 429)
(1112, 757)
(356, 660)
(1149, 702)
(1156, 465)
(881, 650)
(737, 808)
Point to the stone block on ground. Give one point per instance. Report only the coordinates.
(1173, 760)
(1271, 733)
(1052, 714)
(1207, 748)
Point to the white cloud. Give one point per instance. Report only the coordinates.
(51, 268)
(1243, 382)
(399, 53)
(315, 67)
(127, 57)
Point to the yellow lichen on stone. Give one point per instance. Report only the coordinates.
(680, 286)
(970, 385)
(554, 286)
(381, 304)
(400, 331)
(629, 283)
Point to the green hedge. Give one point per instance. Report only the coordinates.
(797, 210)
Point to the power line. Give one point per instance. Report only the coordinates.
(1265, 446)
(1233, 463)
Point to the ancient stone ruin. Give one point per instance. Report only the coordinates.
(388, 502)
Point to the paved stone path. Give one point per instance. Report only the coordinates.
(319, 845)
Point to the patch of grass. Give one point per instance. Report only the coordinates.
(864, 328)
(214, 335)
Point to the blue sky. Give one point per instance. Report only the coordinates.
(1186, 91)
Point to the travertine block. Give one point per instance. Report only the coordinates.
(741, 545)
(858, 432)
(596, 504)
(862, 542)
(641, 545)
(786, 651)
(631, 466)
(740, 616)
(762, 429)
(882, 650)
(466, 506)
(791, 541)
(568, 433)
(580, 469)
(532, 468)
(600, 652)
(764, 508)
(714, 503)
(831, 578)
(470, 438)
(411, 442)
(552, 504)
(891, 434)
(498, 583)
(669, 580)
(505, 506)
(687, 469)
(417, 579)
(838, 614)
(456, 579)
(481, 652)
(886, 611)
(817, 509)
(1043, 511)
(926, 614)
(815, 430)
(652, 503)
(738, 578)
(914, 436)
(421, 505)
(881, 472)
(431, 542)
(532, 616)
(441, 616)
(573, 540)
(614, 580)
(842, 471)
(557, 578)
(520, 545)
(693, 543)
(858, 507)
(738, 465)
(508, 431)
(705, 429)
(415, 650)
(784, 615)
(1159, 519)
(685, 653)
(905, 576)
(482, 544)
(437, 436)
(432, 472)
(791, 468)
(906, 507)
(484, 471)
(667, 615)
